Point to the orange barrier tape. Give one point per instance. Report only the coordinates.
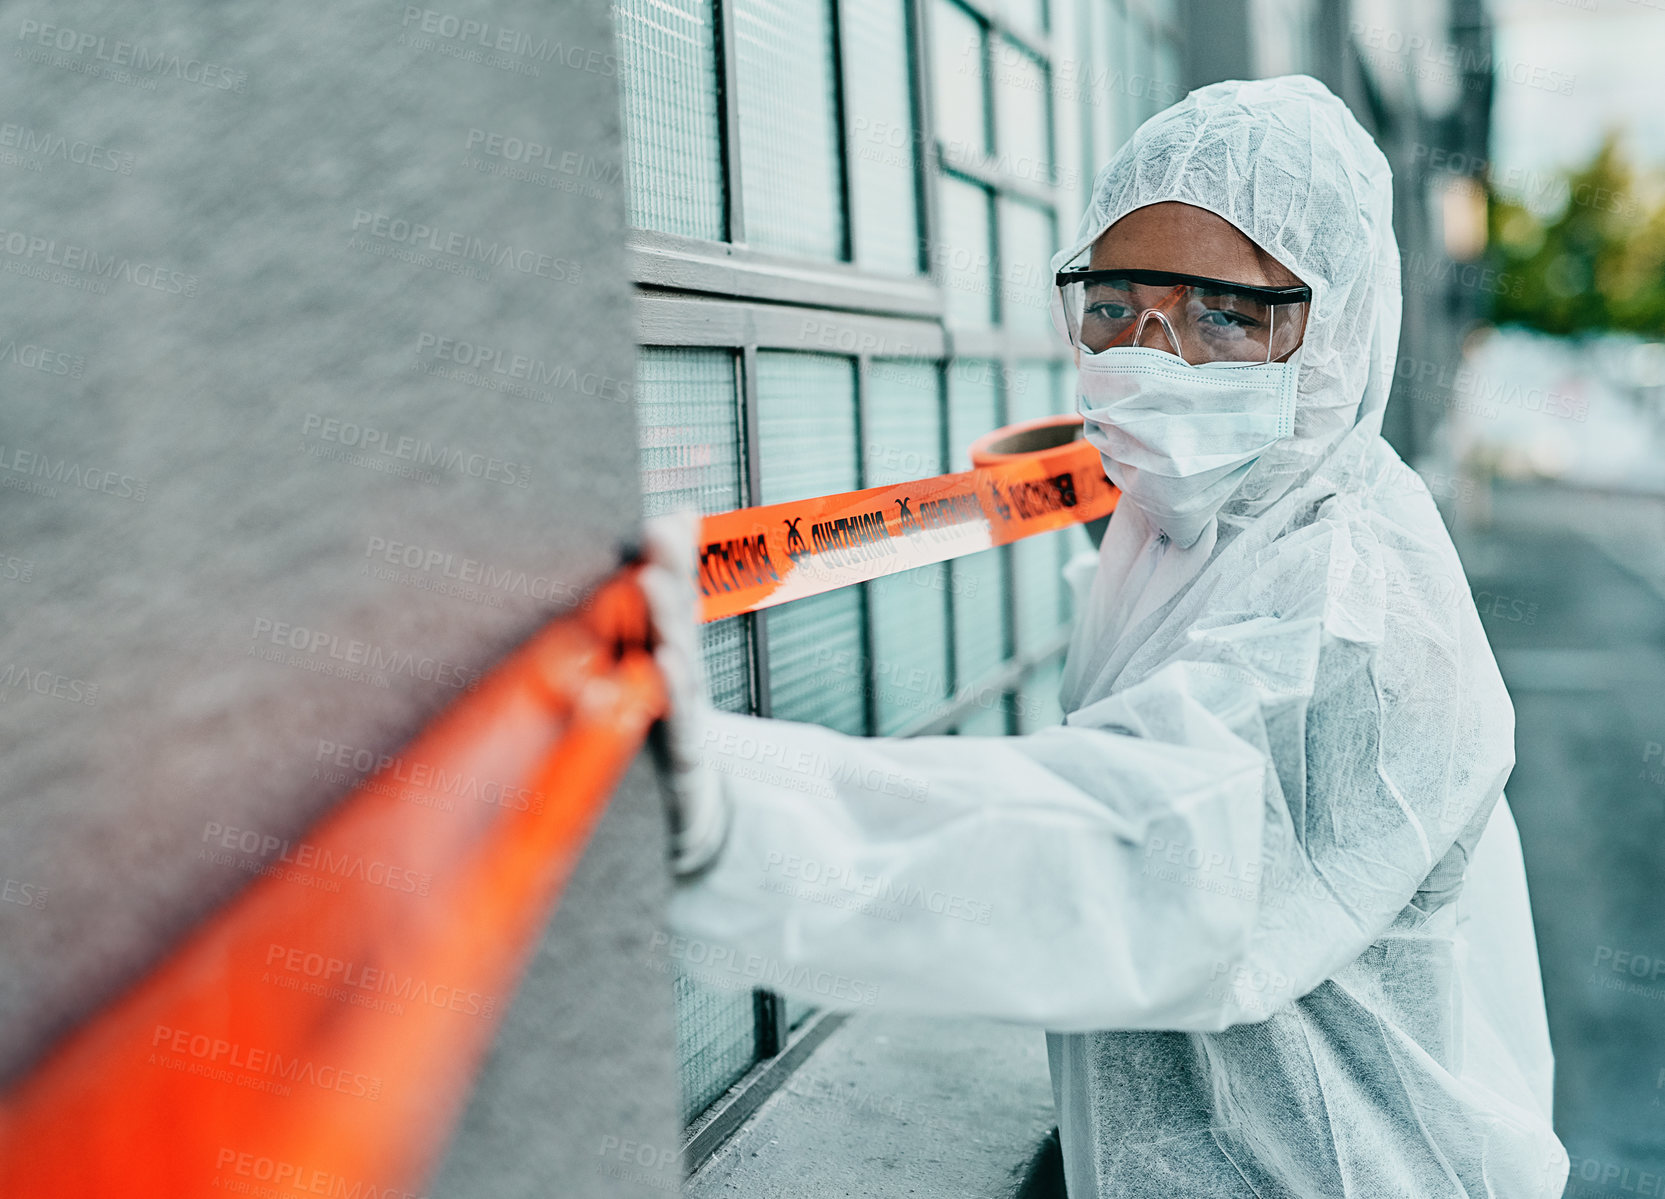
(324, 1041)
(756, 558)
(229, 1068)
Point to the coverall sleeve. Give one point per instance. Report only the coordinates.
(1188, 853)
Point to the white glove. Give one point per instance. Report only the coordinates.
(698, 808)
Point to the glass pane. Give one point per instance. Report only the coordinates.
(884, 220)
(789, 136)
(1039, 590)
(992, 721)
(909, 611)
(964, 251)
(1031, 392)
(1113, 119)
(1037, 699)
(1167, 86)
(958, 74)
(973, 406)
(797, 1011)
(1139, 60)
(1064, 379)
(806, 410)
(806, 416)
(910, 644)
(817, 667)
(980, 636)
(1023, 132)
(1027, 15)
(716, 1040)
(688, 428)
(673, 144)
(1026, 248)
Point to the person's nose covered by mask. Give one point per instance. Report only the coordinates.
(1184, 378)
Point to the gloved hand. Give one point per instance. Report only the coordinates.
(698, 808)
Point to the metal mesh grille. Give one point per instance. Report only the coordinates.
(716, 1041)
(817, 670)
(789, 135)
(806, 414)
(883, 218)
(806, 411)
(688, 426)
(673, 149)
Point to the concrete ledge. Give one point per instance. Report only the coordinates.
(901, 1105)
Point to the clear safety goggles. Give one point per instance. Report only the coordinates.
(1202, 320)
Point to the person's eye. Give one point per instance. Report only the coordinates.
(1219, 319)
(1109, 310)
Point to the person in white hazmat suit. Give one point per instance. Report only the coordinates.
(1261, 888)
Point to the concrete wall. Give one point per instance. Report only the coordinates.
(210, 285)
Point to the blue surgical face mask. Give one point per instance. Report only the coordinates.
(1177, 439)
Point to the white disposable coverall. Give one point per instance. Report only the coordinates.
(1261, 886)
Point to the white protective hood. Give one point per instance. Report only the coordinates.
(1261, 886)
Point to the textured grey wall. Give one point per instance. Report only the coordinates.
(237, 236)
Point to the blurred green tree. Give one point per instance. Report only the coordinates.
(1597, 265)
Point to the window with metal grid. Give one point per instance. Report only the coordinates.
(688, 428)
(884, 225)
(672, 132)
(903, 440)
(797, 124)
(788, 91)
